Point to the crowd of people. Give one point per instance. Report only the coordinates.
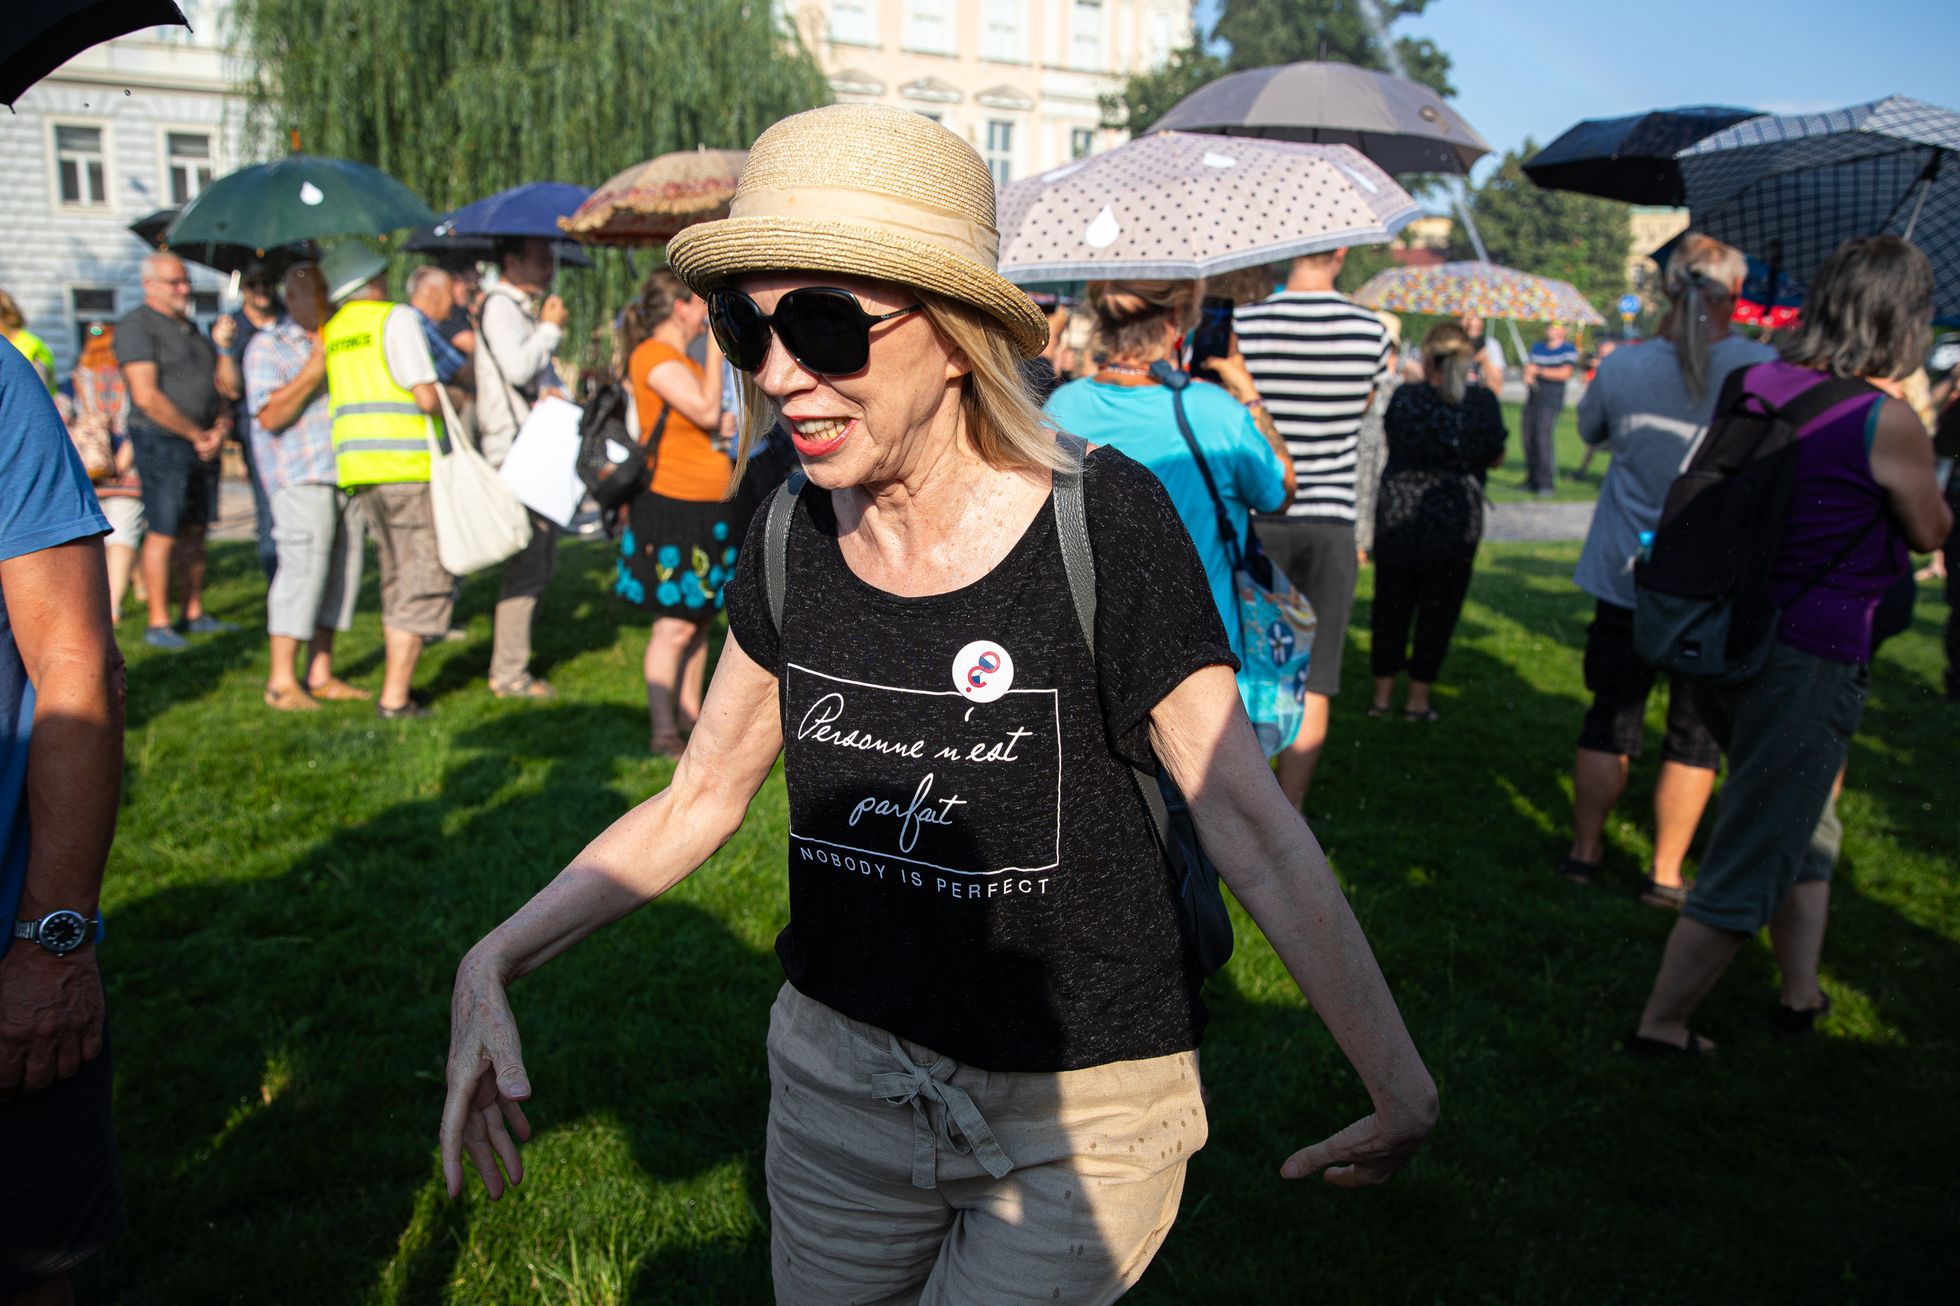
(982, 985)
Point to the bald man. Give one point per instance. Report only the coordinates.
(179, 389)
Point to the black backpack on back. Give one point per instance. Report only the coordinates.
(1702, 607)
(613, 480)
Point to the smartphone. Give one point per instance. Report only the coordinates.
(1213, 338)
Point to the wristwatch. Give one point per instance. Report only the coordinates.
(60, 932)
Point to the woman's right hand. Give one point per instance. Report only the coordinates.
(1235, 376)
(486, 1082)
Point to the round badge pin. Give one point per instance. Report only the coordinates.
(983, 671)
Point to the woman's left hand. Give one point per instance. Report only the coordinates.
(1366, 1153)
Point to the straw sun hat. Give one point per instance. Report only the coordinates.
(864, 190)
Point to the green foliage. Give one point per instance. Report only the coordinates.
(1261, 33)
(1553, 233)
(289, 894)
(462, 98)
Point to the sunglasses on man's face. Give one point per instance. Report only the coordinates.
(825, 329)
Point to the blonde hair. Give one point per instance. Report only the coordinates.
(1447, 348)
(1130, 315)
(1701, 271)
(999, 410)
(10, 314)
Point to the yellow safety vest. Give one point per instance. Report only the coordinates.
(379, 436)
(36, 351)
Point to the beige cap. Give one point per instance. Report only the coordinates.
(864, 190)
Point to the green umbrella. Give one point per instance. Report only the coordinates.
(299, 197)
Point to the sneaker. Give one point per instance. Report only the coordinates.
(455, 635)
(164, 637)
(205, 625)
(406, 711)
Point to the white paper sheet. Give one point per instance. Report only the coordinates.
(542, 466)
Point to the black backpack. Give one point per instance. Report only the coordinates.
(1701, 592)
(611, 480)
(1206, 922)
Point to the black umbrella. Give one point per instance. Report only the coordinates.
(41, 36)
(444, 243)
(1404, 127)
(217, 255)
(1630, 158)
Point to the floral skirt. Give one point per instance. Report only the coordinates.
(675, 555)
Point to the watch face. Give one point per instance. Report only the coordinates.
(63, 931)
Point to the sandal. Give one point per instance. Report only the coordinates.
(291, 699)
(1377, 709)
(1656, 894)
(1801, 1020)
(667, 747)
(335, 690)
(1577, 871)
(1637, 1046)
(407, 711)
(1427, 714)
(525, 686)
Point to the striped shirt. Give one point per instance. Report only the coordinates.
(1315, 357)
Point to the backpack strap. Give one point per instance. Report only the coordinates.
(1821, 398)
(775, 545)
(1072, 529)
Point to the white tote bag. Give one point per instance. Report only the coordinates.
(479, 521)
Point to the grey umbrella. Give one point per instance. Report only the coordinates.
(1789, 189)
(1402, 126)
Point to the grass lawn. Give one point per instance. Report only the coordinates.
(289, 895)
(1507, 481)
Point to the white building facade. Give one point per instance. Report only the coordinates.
(1020, 80)
(131, 126)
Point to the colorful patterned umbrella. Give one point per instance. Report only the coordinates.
(650, 202)
(1484, 289)
(1178, 206)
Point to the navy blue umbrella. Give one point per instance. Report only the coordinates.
(1631, 158)
(529, 210)
(443, 242)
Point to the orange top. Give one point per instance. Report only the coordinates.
(687, 465)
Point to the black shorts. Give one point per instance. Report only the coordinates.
(61, 1182)
(1620, 683)
(1318, 557)
(179, 488)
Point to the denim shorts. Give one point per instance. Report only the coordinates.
(179, 488)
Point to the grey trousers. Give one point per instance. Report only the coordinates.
(526, 577)
(1541, 409)
(317, 537)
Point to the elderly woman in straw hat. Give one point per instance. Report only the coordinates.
(984, 1064)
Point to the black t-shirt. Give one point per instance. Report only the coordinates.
(186, 361)
(970, 865)
(455, 324)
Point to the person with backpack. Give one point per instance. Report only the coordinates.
(983, 1065)
(678, 549)
(1860, 491)
(1648, 406)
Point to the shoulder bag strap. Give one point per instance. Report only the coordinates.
(1175, 381)
(1079, 564)
(775, 545)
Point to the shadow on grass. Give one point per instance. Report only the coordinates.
(313, 1006)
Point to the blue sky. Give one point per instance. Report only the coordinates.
(1534, 67)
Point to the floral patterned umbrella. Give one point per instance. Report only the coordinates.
(1178, 206)
(650, 202)
(1484, 289)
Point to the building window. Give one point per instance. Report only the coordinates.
(80, 166)
(1000, 151)
(92, 305)
(188, 163)
(929, 26)
(1160, 40)
(933, 114)
(854, 22)
(1081, 142)
(1001, 36)
(1085, 34)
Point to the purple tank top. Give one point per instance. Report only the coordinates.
(1834, 502)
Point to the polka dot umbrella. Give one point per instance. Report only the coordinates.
(1178, 205)
(1485, 289)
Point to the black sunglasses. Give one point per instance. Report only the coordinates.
(825, 329)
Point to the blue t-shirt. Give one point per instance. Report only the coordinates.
(45, 500)
(1139, 421)
(1544, 355)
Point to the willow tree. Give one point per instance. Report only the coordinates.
(462, 98)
